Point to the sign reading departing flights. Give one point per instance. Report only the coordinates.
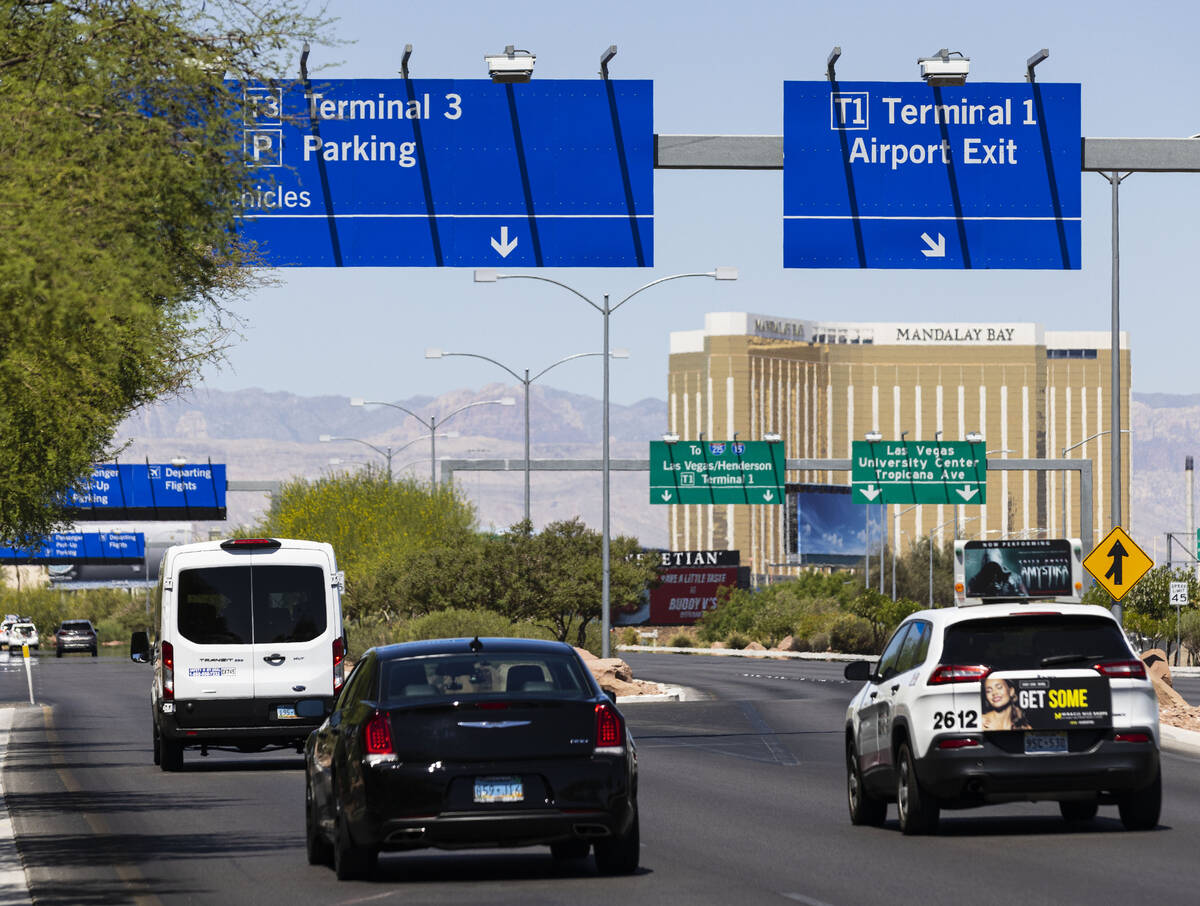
(452, 172)
(81, 547)
(717, 472)
(1117, 563)
(146, 491)
(904, 175)
(921, 471)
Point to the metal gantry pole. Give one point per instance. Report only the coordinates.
(433, 451)
(605, 618)
(526, 382)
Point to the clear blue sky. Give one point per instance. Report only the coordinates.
(720, 68)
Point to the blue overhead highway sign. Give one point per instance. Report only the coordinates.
(81, 547)
(903, 175)
(452, 172)
(147, 491)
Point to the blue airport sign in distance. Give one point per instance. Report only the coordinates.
(81, 547)
(452, 172)
(902, 175)
(149, 491)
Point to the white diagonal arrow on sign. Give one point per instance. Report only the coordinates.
(935, 250)
(870, 491)
(504, 246)
(666, 495)
(966, 492)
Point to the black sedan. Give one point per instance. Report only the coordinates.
(458, 743)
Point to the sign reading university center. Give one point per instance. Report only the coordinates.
(920, 471)
(149, 491)
(904, 175)
(452, 172)
(717, 472)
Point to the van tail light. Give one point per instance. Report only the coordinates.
(378, 735)
(1132, 737)
(168, 671)
(1122, 669)
(339, 664)
(957, 673)
(250, 544)
(610, 729)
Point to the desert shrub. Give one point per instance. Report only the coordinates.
(852, 634)
(629, 636)
(737, 641)
(819, 641)
(455, 624)
(682, 640)
(799, 643)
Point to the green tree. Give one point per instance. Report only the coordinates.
(912, 572)
(883, 614)
(1146, 609)
(122, 176)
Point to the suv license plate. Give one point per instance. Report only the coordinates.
(1051, 743)
(285, 712)
(499, 789)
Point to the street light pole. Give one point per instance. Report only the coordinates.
(526, 381)
(432, 424)
(487, 275)
(386, 454)
(1066, 529)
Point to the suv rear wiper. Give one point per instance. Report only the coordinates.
(1056, 659)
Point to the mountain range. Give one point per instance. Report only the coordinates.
(269, 436)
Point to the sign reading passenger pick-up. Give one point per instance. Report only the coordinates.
(904, 175)
(921, 471)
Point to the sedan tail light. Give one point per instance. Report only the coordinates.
(168, 671)
(610, 730)
(957, 673)
(377, 735)
(1122, 669)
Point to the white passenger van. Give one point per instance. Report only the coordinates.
(248, 645)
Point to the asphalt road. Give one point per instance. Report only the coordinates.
(741, 799)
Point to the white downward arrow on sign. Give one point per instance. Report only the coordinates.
(504, 246)
(935, 250)
(870, 491)
(666, 495)
(966, 493)
(768, 495)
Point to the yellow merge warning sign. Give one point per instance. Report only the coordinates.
(1117, 563)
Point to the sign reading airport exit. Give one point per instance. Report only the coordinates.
(905, 175)
(919, 471)
(451, 172)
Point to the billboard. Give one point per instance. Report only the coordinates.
(826, 528)
(687, 588)
(1018, 569)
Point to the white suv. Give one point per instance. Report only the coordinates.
(997, 703)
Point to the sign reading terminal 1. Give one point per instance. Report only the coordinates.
(717, 472)
(921, 471)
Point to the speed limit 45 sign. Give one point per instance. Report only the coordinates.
(1179, 594)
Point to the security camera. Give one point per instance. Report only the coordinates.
(511, 66)
(945, 68)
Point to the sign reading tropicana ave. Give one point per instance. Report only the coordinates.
(717, 472)
(920, 471)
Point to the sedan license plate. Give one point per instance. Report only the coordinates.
(285, 712)
(1049, 743)
(498, 789)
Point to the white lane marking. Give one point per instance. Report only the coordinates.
(14, 885)
(801, 898)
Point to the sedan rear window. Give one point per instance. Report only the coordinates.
(1027, 642)
(459, 676)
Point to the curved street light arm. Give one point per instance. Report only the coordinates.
(641, 289)
(446, 418)
(381, 452)
(476, 355)
(395, 406)
(569, 289)
(577, 355)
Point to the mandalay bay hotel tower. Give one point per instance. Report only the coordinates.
(1032, 393)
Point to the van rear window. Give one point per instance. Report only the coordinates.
(240, 605)
(1023, 643)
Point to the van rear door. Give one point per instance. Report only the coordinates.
(296, 620)
(214, 628)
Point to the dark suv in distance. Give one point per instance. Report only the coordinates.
(75, 635)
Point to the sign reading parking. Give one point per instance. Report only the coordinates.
(81, 547)
(920, 471)
(147, 491)
(462, 173)
(717, 472)
(904, 175)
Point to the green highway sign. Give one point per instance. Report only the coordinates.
(694, 471)
(918, 471)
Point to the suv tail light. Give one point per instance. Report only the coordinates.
(168, 671)
(1122, 669)
(377, 735)
(339, 664)
(957, 673)
(610, 730)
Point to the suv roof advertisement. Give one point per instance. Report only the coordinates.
(1018, 569)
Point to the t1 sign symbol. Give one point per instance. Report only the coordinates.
(849, 110)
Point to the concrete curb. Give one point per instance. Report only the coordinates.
(744, 652)
(1176, 739)
(670, 693)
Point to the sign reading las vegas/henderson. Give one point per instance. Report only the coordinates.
(717, 472)
(918, 472)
